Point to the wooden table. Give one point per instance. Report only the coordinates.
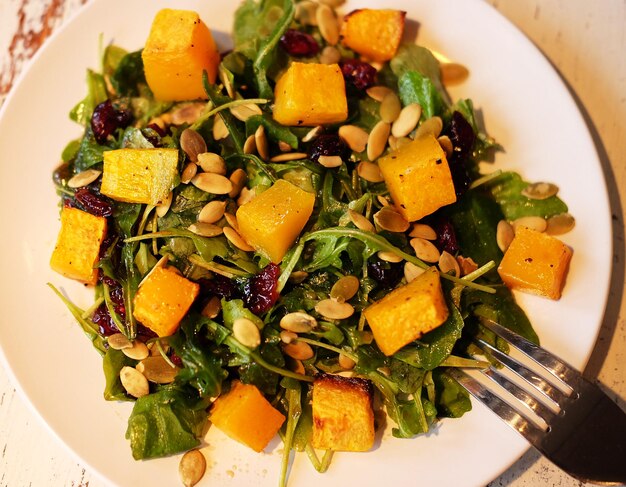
(585, 41)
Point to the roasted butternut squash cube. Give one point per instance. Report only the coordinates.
(310, 94)
(139, 175)
(178, 49)
(343, 417)
(535, 263)
(272, 221)
(418, 177)
(164, 299)
(78, 245)
(408, 312)
(246, 416)
(375, 34)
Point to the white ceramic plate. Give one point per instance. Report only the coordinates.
(525, 106)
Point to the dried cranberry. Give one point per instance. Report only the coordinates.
(92, 203)
(219, 286)
(176, 360)
(62, 174)
(328, 145)
(106, 119)
(260, 292)
(461, 177)
(386, 274)
(358, 75)
(299, 44)
(446, 236)
(461, 134)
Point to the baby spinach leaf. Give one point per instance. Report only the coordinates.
(234, 309)
(411, 57)
(452, 400)
(129, 75)
(89, 152)
(414, 87)
(254, 21)
(96, 94)
(111, 59)
(112, 363)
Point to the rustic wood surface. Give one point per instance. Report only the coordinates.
(585, 41)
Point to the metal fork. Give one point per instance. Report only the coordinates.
(575, 425)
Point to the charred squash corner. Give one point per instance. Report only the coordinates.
(343, 417)
(375, 34)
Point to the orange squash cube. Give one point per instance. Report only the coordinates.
(375, 34)
(310, 94)
(139, 175)
(343, 417)
(78, 245)
(163, 300)
(418, 177)
(408, 312)
(535, 263)
(178, 49)
(246, 416)
(272, 221)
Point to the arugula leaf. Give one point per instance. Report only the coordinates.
(96, 94)
(274, 130)
(89, 151)
(452, 400)
(111, 59)
(234, 309)
(129, 75)
(254, 21)
(411, 57)
(414, 87)
(112, 363)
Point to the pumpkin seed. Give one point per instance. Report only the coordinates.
(377, 65)
(298, 322)
(283, 146)
(192, 144)
(453, 74)
(212, 212)
(377, 140)
(533, 222)
(238, 179)
(205, 229)
(334, 310)
(425, 250)
(188, 113)
(287, 336)
(246, 196)
(244, 112)
(212, 183)
(393, 142)
(330, 161)
(346, 362)
(327, 23)
(298, 350)
(246, 332)
(504, 235)
(134, 382)
(411, 271)
(220, 131)
(231, 220)
(560, 224)
(345, 288)
(164, 206)
(360, 221)
(446, 145)
(138, 350)
(226, 81)
(296, 365)
(354, 136)
(333, 3)
(297, 277)
(466, 264)
(390, 107)
(156, 369)
(383, 200)
(260, 138)
(249, 146)
(378, 93)
(192, 467)
(389, 256)
(289, 156)
(83, 178)
(212, 308)
(370, 172)
(305, 13)
(432, 126)
(212, 162)
(330, 55)
(424, 231)
(311, 134)
(389, 219)
(540, 191)
(407, 120)
(118, 341)
(189, 172)
(448, 264)
(237, 240)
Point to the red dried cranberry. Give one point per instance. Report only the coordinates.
(261, 291)
(92, 203)
(106, 119)
(446, 236)
(176, 360)
(299, 44)
(219, 286)
(461, 177)
(328, 145)
(461, 134)
(358, 75)
(386, 274)
(103, 320)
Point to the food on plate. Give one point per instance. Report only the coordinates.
(292, 236)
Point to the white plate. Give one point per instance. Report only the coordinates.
(525, 106)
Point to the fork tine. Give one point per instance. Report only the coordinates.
(542, 357)
(510, 415)
(541, 385)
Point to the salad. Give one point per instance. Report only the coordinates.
(311, 236)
